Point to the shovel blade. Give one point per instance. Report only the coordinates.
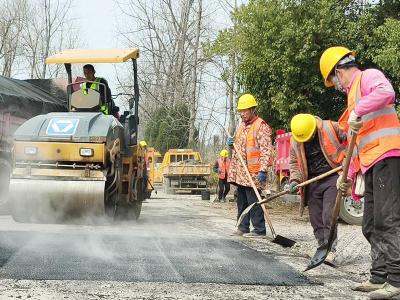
(283, 241)
(244, 213)
(318, 258)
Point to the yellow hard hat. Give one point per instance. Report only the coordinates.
(303, 127)
(223, 153)
(329, 60)
(246, 101)
(143, 144)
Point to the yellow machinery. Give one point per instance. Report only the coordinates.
(183, 170)
(81, 163)
(158, 177)
(152, 157)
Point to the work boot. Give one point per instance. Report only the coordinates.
(254, 235)
(387, 291)
(237, 233)
(367, 286)
(330, 259)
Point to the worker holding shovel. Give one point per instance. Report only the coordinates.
(316, 147)
(253, 141)
(370, 96)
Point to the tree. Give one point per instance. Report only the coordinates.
(279, 44)
(31, 30)
(11, 26)
(169, 128)
(170, 34)
(48, 29)
(385, 47)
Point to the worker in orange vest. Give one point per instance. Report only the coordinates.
(253, 140)
(316, 147)
(221, 167)
(370, 113)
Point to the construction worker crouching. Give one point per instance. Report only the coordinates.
(370, 113)
(316, 147)
(221, 167)
(253, 140)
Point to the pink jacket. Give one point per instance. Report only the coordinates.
(376, 93)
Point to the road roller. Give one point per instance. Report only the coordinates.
(82, 164)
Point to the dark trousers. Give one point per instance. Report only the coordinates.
(381, 221)
(321, 196)
(223, 188)
(246, 197)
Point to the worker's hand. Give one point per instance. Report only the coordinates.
(262, 177)
(292, 187)
(354, 122)
(230, 141)
(345, 186)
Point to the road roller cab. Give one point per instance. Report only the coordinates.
(83, 163)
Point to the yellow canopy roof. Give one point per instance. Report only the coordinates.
(83, 56)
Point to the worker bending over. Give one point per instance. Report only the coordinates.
(221, 167)
(253, 141)
(370, 97)
(316, 147)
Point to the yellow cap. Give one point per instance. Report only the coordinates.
(303, 127)
(329, 60)
(246, 101)
(223, 153)
(143, 144)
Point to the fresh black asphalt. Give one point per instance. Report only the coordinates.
(124, 257)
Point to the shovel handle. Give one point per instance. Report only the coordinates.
(304, 183)
(339, 195)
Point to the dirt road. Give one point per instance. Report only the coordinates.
(179, 249)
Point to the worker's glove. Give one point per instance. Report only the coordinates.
(354, 122)
(262, 177)
(292, 187)
(230, 141)
(343, 187)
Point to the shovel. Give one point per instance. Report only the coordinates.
(307, 182)
(322, 251)
(278, 239)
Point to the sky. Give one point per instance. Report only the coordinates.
(98, 20)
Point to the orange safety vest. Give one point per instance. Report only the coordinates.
(331, 147)
(379, 134)
(223, 167)
(253, 152)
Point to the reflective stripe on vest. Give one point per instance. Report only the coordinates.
(331, 144)
(94, 86)
(380, 132)
(104, 109)
(223, 167)
(253, 152)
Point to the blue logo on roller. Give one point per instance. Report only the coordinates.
(58, 126)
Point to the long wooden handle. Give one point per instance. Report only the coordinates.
(267, 218)
(335, 213)
(304, 183)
